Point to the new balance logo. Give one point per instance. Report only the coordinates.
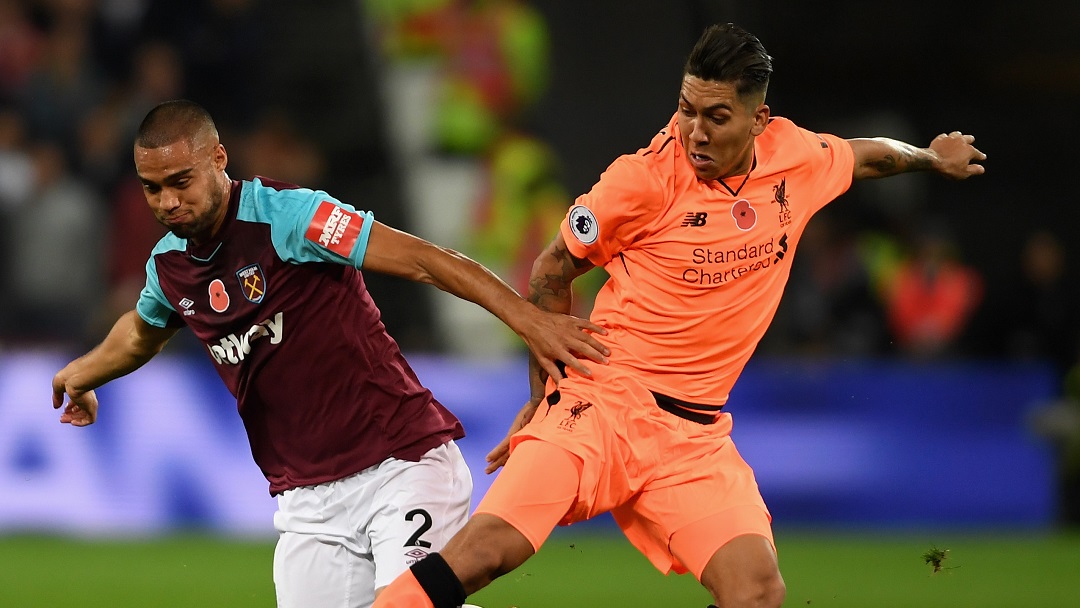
(695, 219)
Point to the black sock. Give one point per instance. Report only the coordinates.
(439, 581)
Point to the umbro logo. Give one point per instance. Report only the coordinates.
(186, 304)
(695, 218)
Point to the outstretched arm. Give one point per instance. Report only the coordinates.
(130, 344)
(551, 337)
(952, 155)
(549, 289)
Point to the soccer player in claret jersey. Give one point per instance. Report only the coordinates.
(697, 231)
(270, 277)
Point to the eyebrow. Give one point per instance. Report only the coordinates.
(169, 179)
(712, 108)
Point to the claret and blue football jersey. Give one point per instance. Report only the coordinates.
(279, 303)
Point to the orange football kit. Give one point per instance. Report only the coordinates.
(696, 270)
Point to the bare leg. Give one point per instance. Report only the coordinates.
(744, 574)
(485, 549)
(535, 490)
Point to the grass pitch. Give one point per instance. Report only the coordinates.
(575, 569)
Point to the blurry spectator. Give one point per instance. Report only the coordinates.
(831, 306)
(64, 87)
(55, 252)
(275, 147)
(16, 176)
(932, 298)
(1038, 320)
(106, 132)
(157, 75)
(20, 47)
(225, 45)
(1039, 317)
(131, 236)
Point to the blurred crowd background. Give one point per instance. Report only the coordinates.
(475, 123)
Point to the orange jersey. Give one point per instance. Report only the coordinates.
(697, 268)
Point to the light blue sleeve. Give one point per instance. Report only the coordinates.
(308, 225)
(153, 307)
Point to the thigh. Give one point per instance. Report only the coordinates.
(696, 545)
(744, 572)
(701, 485)
(320, 560)
(316, 570)
(417, 507)
(589, 423)
(535, 490)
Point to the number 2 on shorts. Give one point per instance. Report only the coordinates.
(414, 540)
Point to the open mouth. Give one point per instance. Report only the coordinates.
(700, 160)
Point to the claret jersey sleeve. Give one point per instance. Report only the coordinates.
(616, 212)
(153, 306)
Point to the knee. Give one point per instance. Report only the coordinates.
(767, 591)
(485, 549)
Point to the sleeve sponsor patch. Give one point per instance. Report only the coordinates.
(335, 228)
(583, 224)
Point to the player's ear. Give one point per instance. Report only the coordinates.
(760, 120)
(220, 157)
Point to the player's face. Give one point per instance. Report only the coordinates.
(186, 186)
(718, 127)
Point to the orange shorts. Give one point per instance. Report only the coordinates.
(658, 473)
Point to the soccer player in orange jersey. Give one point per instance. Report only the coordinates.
(697, 232)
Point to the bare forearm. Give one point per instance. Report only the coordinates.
(459, 275)
(549, 289)
(403, 255)
(882, 157)
(123, 351)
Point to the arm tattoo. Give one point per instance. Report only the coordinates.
(885, 166)
(549, 290)
(908, 159)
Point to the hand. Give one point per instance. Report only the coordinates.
(554, 337)
(955, 154)
(82, 406)
(498, 456)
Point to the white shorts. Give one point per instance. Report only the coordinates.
(340, 541)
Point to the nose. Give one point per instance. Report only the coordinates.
(697, 133)
(168, 200)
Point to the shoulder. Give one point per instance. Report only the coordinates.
(169, 242)
(651, 170)
(266, 200)
(785, 142)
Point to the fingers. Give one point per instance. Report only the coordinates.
(495, 465)
(572, 362)
(498, 456)
(74, 415)
(590, 340)
(594, 350)
(593, 327)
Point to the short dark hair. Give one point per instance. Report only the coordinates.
(173, 121)
(727, 53)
